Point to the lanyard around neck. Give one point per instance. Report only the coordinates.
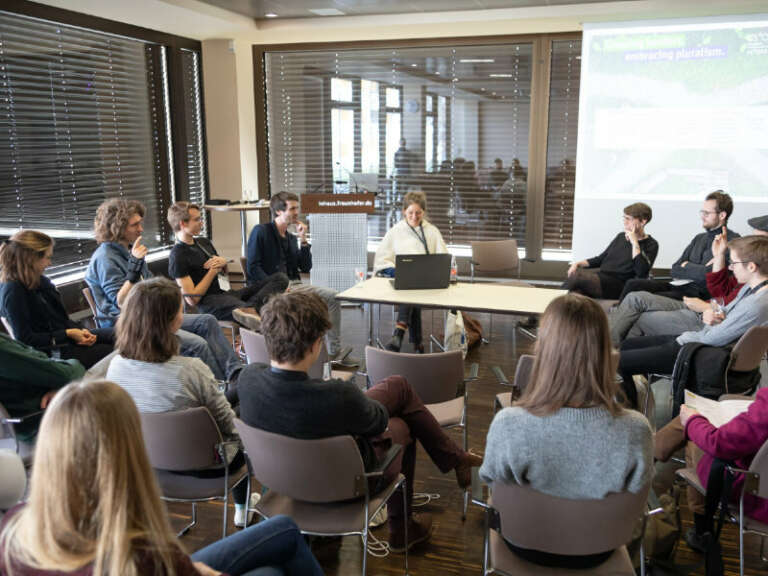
(422, 237)
(756, 288)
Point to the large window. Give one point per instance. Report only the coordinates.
(453, 121)
(86, 115)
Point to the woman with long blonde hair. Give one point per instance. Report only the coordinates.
(568, 436)
(32, 305)
(94, 505)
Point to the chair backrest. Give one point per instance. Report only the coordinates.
(13, 479)
(523, 371)
(88, 295)
(534, 520)
(496, 256)
(181, 440)
(435, 377)
(760, 465)
(8, 327)
(318, 470)
(750, 349)
(256, 351)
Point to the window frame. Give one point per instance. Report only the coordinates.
(174, 173)
(541, 57)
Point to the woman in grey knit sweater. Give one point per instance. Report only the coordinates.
(567, 436)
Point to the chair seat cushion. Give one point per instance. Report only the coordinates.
(184, 487)
(504, 560)
(448, 413)
(690, 476)
(331, 518)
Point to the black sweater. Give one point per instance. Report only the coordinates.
(38, 317)
(616, 260)
(268, 252)
(698, 254)
(292, 404)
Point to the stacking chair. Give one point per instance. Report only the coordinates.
(436, 378)
(537, 521)
(498, 258)
(229, 325)
(522, 377)
(755, 484)
(320, 483)
(13, 480)
(188, 441)
(8, 438)
(8, 327)
(256, 352)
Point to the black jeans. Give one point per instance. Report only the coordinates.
(664, 288)
(646, 355)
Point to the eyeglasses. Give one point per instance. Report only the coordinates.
(731, 265)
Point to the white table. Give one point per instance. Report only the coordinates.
(472, 297)
(242, 209)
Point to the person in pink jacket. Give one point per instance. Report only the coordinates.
(737, 441)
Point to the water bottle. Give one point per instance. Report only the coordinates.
(454, 275)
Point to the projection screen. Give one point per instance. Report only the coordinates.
(669, 111)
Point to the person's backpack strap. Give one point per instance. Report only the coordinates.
(719, 486)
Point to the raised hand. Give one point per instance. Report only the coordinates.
(138, 250)
(720, 243)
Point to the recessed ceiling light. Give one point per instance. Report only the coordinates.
(500, 75)
(482, 89)
(438, 73)
(326, 12)
(270, 15)
(414, 65)
(476, 60)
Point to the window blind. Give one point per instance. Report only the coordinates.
(392, 120)
(85, 116)
(565, 71)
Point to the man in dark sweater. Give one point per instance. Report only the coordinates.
(198, 269)
(690, 270)
(629, 255)
(283, 399)
(273, 248)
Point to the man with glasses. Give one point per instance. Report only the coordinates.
(646, 314)
(657, 354)
(690, 271)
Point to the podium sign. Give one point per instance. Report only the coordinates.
(338, 203)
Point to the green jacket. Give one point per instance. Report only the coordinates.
(26, 375)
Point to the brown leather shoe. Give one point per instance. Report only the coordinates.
(463, 470)
(419, 530)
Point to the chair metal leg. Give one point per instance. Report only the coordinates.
(741, 535)
(486, 543)
(405, 521)
(762, 549)
(191, 524)
(365, 536)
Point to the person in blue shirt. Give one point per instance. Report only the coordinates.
(120, 262)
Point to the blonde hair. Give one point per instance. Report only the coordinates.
(178, 213)
(415, 197)
(93, 498)
(575, 365)
(20, 253)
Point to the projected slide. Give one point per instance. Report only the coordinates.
(670, 111)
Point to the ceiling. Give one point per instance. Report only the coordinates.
(258, 9)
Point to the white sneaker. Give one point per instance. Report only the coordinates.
(379, 518)
(240, 512)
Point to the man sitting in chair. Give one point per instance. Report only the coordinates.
(657, 354)
(200, 272)
(283, 399)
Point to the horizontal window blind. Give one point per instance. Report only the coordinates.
(193, 127)
(84, 116)
(451, 121)
(565, 74)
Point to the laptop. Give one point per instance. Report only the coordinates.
(422, 271)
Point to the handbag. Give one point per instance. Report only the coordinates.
(455, 333)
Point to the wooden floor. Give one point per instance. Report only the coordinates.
(456, 546)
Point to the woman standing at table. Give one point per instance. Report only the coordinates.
(412, 235)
